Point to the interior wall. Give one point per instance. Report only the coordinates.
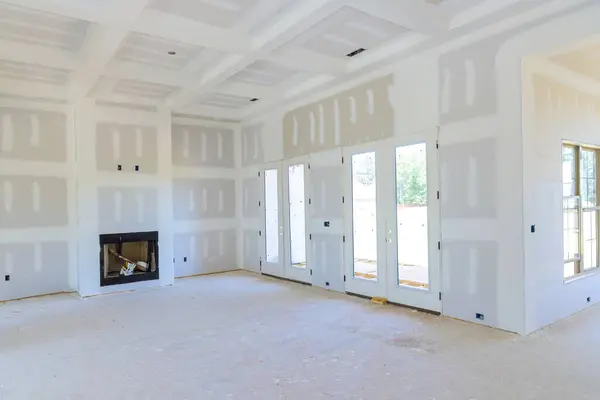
(113, 199)
(252, 152)
(37, 199)
(555, 108)
(204, 196)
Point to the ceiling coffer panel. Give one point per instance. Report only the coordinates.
(40, 28)
(223, 100)
(221, 13)
(33, 73)
(156, 52)
(149, 90)
(264, 73)
(347, 30)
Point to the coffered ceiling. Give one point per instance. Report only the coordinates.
(213, 57)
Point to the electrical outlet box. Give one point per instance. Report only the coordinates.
(6, 278)
(479, 316)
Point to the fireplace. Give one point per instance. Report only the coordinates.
(128, 257)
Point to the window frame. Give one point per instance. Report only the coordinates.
(578, 148)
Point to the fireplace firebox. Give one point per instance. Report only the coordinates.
(128, 257)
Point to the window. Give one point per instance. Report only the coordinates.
(580, 209)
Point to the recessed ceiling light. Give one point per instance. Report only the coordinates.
(355, 52)
(171, 53)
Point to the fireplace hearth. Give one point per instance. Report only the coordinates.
(128, 258)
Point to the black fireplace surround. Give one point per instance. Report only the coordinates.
(117, 248)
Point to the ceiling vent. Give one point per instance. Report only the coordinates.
(355, 52)
(254, 100)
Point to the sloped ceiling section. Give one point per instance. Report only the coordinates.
(210, 57)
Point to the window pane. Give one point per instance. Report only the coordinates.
(590, 240)
(587, 175)
(364, 215)
(411, 206)
(571, 233)
(297, 216)
(272, 216)
(568, 171)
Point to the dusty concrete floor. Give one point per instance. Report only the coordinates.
(240, 336)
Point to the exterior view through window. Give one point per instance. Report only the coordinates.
(364, 215)
(297, 216)
(411, 215)
(580, 209)
(272, 216)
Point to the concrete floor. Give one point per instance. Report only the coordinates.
(241, 336)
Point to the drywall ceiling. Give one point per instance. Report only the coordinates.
(211, 57)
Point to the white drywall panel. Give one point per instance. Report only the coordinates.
(204, 197)
(112, 200)
(37, 199)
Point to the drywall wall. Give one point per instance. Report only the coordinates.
(363, 113)
(124, 184)
(37, 199)
(557, 106)
(204, 196)
(250, 186)
(69, 174)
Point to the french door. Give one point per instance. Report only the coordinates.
(393, 221)
(296, 237)
(273, 254)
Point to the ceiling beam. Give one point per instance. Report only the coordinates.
(418, 16)
(101, 43)
(296, 21)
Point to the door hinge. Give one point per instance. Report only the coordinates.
(309, 201)
(343, 199)
(438, 195)
(439, 245)
(310, 236)
(437, 144)
(308, 165)
(311, 271)
(344, 238)
(259, 174)
(440, 296)
(342, 160)
(259, 203)
(259, 233)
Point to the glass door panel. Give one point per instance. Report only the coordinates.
(297, 213)
(364, 215)
(411, 216)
